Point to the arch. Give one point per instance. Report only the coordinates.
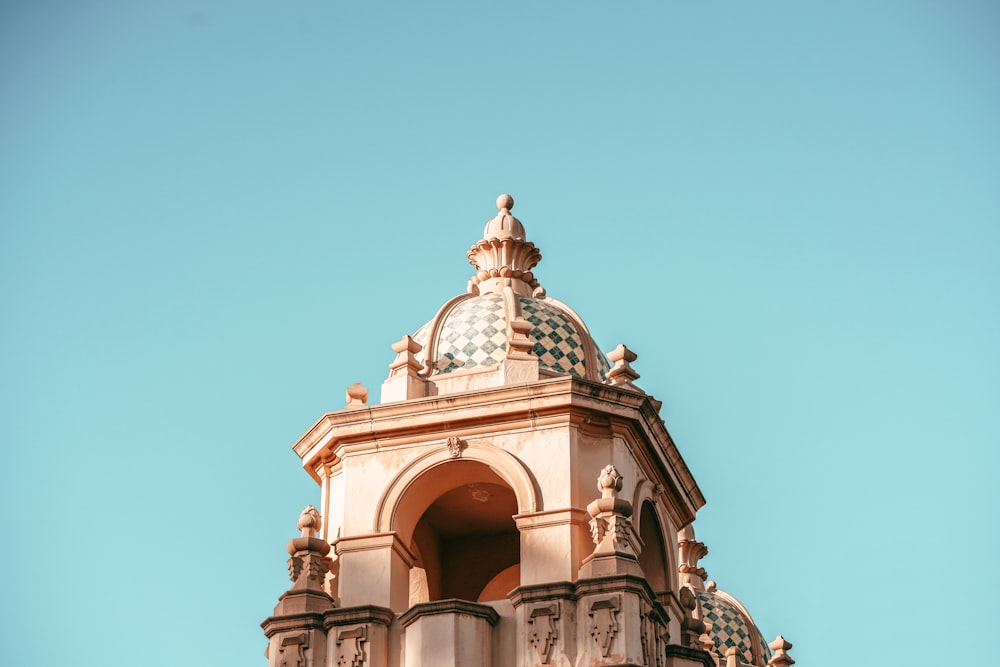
(391, 517)
(657, 555)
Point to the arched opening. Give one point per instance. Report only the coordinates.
(653, 558)
(466, 543)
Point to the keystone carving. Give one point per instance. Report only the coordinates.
(455, 447)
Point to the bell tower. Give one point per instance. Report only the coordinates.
(514, 500)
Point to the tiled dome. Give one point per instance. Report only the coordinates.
(729, 624)
(471, 332)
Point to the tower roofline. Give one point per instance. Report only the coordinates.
(589, 406)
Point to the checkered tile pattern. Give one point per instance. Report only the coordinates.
(475, 334)
(728, 627)
(557, 345)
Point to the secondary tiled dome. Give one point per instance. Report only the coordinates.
(472, 333)
(729, 624)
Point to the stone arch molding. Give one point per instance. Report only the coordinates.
(507, 466)
(646, 491)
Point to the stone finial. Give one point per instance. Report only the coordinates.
(404, 381)
(504, 256)
(293, 631)
(406, 362)
(609, 482)
(504, 225)
(309, 563)
(310, 521)
(732, 657)
(357, 395)
(611, 529)
(622, 374)
(780, 657)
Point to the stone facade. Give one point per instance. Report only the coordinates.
(460, 522)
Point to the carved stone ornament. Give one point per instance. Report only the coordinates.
(455, 446)
(357, 395)
(780, 646)
(310, 521)
(503, 252)
(350, 644)
(544, 631)
(609, 482)
(610, 527)
(645, 637)
(692, 627)
(622, 373)
(604, 623)
(291, 652)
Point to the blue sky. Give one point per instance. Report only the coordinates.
(214, 217)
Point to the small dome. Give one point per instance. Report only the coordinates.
(729, 624)
(471, 332)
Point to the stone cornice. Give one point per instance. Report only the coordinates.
(303, 621)
(449, 607)
(363, 614)
(550, 402)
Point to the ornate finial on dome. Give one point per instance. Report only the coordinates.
(504, 256)
(504, 225)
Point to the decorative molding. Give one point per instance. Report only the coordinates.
(351, 646)
(544, 630)
(604, 622)
(291, 650)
